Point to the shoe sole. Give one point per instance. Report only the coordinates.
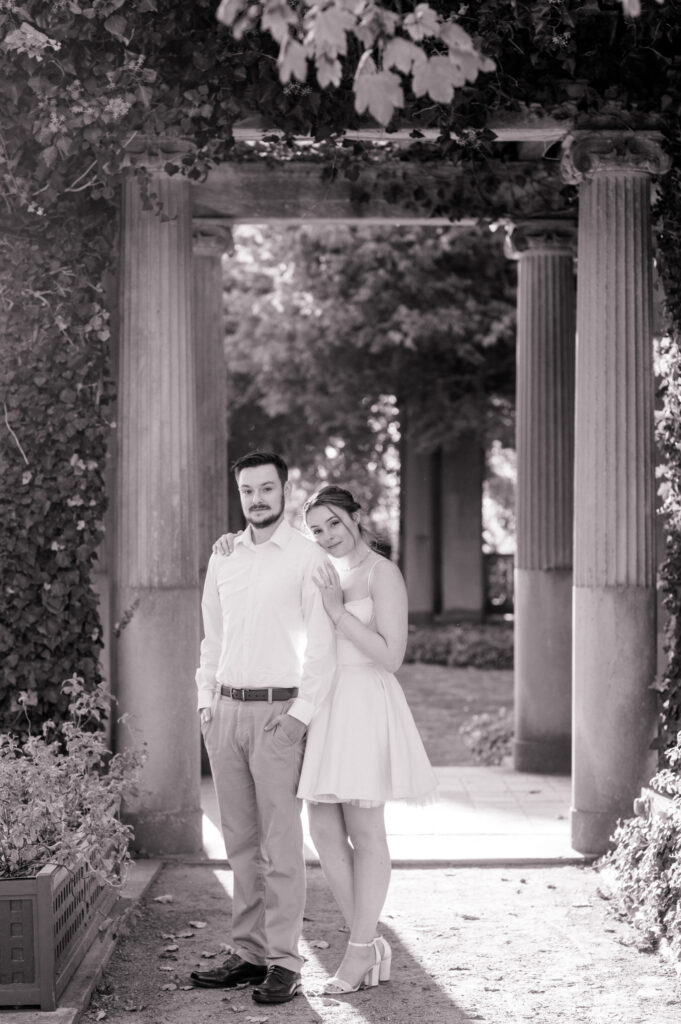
(257, 998)
(222, 984)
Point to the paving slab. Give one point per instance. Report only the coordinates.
(481, 815)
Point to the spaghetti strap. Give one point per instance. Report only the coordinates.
(371, 573)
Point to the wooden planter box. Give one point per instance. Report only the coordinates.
(47, 924)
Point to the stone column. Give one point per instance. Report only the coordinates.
(211, 393)
(157, 599)
(417, 542)
(545, 446)
(614, 649)
(462, 569)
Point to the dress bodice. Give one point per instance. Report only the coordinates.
(347, 654)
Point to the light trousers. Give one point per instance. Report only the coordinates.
(256, 775)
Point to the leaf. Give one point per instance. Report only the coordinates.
(292, 61)
(164, 899)
(276, 18)
(329, 71)
(170, 987)
(401, 54)
(423, 22)
(380, 94)
(455, 37)
(118, 27)
(435, 77)
(229, 11)
(327, 28)
(198, 924)
(144, 94)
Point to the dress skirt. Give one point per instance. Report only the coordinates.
(363, 746)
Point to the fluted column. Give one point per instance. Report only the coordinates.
(462, 467)
(211, 393)
(614, 603)
(157, 600)
(417, 529)
(545, 445)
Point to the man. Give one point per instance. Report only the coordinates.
(267, 661)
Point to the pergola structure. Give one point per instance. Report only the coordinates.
(586, 639)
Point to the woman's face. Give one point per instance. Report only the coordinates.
(332, 529)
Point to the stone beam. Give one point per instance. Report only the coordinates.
(547, 130)
(299, 192)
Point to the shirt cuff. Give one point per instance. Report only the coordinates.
(207, 697)
(302, 709)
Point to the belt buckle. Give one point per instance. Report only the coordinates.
(238, 693)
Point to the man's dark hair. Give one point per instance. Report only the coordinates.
(258, 458)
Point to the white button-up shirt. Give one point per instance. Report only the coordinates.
(264, 622)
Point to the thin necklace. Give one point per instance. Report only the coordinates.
(357, 564)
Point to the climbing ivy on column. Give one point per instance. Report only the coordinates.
(56, 412)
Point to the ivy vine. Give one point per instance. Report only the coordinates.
(56, 399)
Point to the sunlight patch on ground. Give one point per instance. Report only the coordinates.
(213, 843)
(226, 880)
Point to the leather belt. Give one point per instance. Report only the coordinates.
(268, 693)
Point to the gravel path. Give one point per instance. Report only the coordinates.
(475, 944)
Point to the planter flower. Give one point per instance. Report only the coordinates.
(63, 848)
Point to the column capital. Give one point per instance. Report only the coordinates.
(586, 153)
(212, 241)
(557, 236)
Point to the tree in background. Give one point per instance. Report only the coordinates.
(340, 340)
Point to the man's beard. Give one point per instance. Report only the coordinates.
(262, 524)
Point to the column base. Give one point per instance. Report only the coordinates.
(592, 831)
(157, 653)
(543, 757)
(167, 832)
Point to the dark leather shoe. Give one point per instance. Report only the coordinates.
(234, 971)
(279, 986)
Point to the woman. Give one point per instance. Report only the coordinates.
(363, 747)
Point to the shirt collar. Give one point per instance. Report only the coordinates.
(280, 537)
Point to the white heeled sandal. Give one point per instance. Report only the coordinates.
(386, 958)
(339, 987)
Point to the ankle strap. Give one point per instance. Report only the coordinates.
(363, 945)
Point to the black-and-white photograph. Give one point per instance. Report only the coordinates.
(340, 511)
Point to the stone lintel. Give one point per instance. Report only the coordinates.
(586, 153)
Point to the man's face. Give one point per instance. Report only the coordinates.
(262, 496)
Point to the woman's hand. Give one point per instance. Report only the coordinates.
(224, 545)
(328, 581)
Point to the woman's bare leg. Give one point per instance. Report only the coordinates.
(371, 876)
(329, 835)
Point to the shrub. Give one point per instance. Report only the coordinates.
(489, 736)
(60, 792)
(643, 870)
(465, 644)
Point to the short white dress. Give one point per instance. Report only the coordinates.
(363, 746)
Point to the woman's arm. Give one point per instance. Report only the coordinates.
(386, 643)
